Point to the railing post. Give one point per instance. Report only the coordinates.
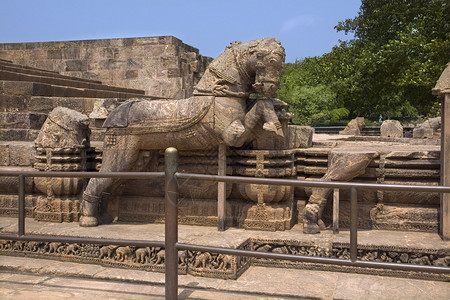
(445, 167)
(353, 224)
(336, 211)
(222, 188)
(171, 223)
(21, 206)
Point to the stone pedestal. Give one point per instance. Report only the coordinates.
(274, 204)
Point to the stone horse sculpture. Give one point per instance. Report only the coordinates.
(219, 112)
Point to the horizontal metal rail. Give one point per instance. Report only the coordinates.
(319, 184)
(171, 244)
(121, 175)
(21, 236)
(79, 240)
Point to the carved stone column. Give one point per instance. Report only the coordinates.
(274, 203)
(442, 89)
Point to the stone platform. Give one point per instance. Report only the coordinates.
(373, 245)
(32, 278)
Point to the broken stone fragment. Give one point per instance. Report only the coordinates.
(392, 129)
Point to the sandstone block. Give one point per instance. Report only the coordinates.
(41, 104)
(392, 129)
(13, 134)
(300, 136)
(17, 87)
(4, 155)
(11, 184)
(71, 53)
(423, 133)
(4, 54)
(12, 103)
(76, 65)
(21, 154)
(21, 120)
(14, 46)
(54, 54)
(131, 74)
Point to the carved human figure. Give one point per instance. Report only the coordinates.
(219, 112)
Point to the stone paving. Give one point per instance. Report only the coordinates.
(25, 277)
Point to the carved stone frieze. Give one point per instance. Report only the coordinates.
(143, 258)
(216, 265)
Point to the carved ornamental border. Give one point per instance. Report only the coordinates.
(223, 266)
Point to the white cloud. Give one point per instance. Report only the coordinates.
(298, 21)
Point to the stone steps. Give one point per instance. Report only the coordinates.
(16, 76)
(22, 120)
(51, 90)
(15, 134)
(6, 64)
(14, 72)
(44, 104)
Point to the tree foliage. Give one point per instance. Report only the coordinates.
(399, 50)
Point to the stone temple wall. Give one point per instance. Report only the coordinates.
(161, 66)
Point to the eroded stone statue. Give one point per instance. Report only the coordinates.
(219, 112)
(342, 166)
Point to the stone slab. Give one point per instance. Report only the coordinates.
(256, 283)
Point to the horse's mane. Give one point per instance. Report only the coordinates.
(263, 46)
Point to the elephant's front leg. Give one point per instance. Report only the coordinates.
(119, 157)
(91, 201)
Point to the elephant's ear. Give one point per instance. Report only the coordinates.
(119, 116)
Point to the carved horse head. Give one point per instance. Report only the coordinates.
(244, 68)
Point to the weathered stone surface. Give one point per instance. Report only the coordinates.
(4, 155)
(443, 84)
(10, 185)
(22, 120)
(216, 114)
(18, 134)
(102, 108)
(342, 166)
(393, 217)
(21, 154)
(12, 103)
(423, 133)
(392, 129)
(434, 123)
(18, 88)
(102, 59)
(300, 136)
(354, 127)
(64, 128)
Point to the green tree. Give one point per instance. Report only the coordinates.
(399, 51)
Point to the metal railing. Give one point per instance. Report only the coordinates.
(171, 243)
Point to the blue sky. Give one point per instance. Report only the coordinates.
(304, 27)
